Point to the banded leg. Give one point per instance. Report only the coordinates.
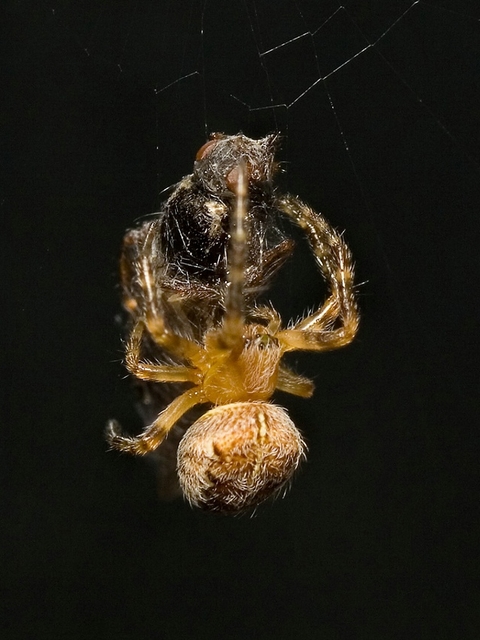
(335, 323)
(153, 435)
(234, 319)
(159, 372)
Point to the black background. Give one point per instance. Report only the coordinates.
(378, 537)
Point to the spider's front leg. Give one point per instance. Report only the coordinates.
(335, 323)
(158, 372)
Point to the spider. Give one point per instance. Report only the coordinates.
(190, 280)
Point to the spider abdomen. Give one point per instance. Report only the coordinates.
(237, 455)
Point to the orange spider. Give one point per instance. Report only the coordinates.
(243, 448)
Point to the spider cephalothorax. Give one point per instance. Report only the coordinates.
(243, 448)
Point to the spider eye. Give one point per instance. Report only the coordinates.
(261, 341)
(264, 340)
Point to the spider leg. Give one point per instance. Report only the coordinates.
(146, 298)
(293, 383)
(231, 335)
(335, 323)
(153, 435)
(138, 263)
(154, 372)
(327, 314)
(268, 315)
